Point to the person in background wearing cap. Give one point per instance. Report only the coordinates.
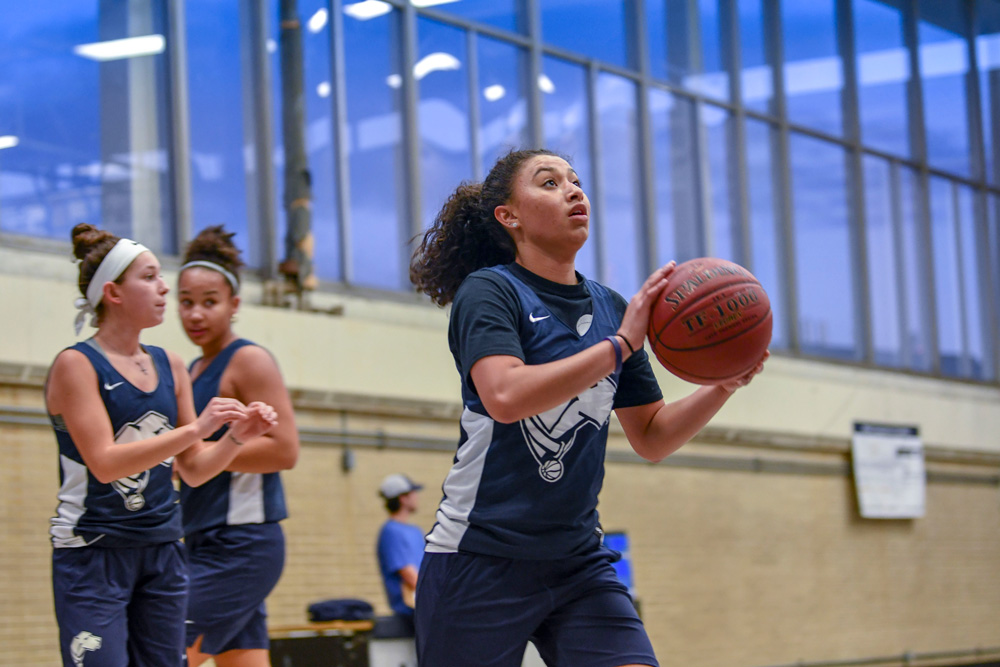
(400, 545)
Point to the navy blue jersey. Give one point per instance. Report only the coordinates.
(137, 510)
(529, 490)
(229, 498)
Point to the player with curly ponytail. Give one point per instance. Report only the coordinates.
(544, 356)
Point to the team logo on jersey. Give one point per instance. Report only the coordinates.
(551, 434)
(130, 488)
(81, 644)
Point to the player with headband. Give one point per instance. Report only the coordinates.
(236, 548)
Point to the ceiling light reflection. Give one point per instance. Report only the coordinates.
(317, 21)
(369, 9)
(494, 92)
(116, 49)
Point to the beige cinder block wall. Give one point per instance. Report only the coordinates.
(733, 567)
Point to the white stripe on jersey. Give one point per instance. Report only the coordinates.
(246, 498)
(461, 485)
(72, 504)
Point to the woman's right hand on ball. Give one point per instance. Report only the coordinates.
(635, 322)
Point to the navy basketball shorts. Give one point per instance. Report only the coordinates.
(233, 569)
(480, 611)
(121, 607)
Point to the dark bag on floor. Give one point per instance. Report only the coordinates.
(340, 609)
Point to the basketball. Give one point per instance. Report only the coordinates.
(712, 322)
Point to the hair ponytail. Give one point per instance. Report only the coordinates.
(465, 236)
(461, 240)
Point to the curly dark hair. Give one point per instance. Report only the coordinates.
(465, 235)
(90, 246)
(214, 244)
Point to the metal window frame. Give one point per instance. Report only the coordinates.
(262, 187)
(855, 174)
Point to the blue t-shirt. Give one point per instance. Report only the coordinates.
(136, 510)
(529, 490)
(229, 498)
(399, 545)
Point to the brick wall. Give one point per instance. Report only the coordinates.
(732, 568)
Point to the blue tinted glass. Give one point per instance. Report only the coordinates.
(956, 283)
(503, 107)
(503, 14)
(980, 354)
(715, 123)
(765, 244)
(822, 249)
(993, 246)
(379, 232)
(83, 131)
(215, 93)
(442, 114)
(670, 123)
(944, 62)
(916, 338)
(51, 170)
(883, 74)
(656, 38)
(678, 228)
(883, 284)
(620, 229)
(947, 289)
(693, 58)
(813, 71)
(566, 127)
(756, 77)
(594, 28)
(988, 56)
(318, 135)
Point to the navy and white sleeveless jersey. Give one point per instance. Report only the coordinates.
(137, 510)
(529, 490)
(229, 498)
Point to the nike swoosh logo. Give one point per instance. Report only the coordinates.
(537, 319)
(109, 387)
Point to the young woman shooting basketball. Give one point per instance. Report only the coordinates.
(124, 421)
(544, 356)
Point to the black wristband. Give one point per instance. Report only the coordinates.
(631, 349)
(234, 439)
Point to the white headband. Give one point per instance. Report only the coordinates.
(112, 266)
(233, 282)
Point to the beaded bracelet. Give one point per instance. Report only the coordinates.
(618, 353)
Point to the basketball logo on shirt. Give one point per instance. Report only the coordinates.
(551, 434)
(130, 488)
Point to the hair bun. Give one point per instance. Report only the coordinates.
(215, 244)
(86, 237)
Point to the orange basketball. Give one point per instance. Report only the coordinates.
(712, 322)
